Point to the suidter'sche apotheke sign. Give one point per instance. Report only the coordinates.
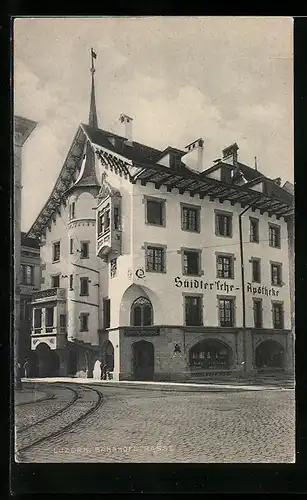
(223, 286)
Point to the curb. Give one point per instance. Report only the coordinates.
(158, 386)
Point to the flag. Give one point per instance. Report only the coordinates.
(94, 55)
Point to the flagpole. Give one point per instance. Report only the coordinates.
(92, 57)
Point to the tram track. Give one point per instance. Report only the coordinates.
(60, 422)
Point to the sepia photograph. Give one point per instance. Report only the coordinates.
(153, 240)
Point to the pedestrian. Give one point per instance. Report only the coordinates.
(104, 371)
(26, 368)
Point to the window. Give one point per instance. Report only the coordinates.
(254, 230)
(278, 315)
(27, 275)
(62, 320)
(190, 218)
(191, 262)
(155, 259)
(56, 251)
(72, 210)
(223, 224)
(71, 246)
(113, 268)
(276, 274)
(55, 281)
(104, 220)
(25, 308)
(226, 312)
(274, 236)
(257, 308)
(37, 318)
(84, 286)
(225, 266)
(84, 320)
(71, 281)
(256, 270)
(141, 312)
(155, 212)
(49, 316)
(106, 313)
(84, 250)
(193, 311)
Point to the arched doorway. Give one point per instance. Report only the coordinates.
(143, 360)
(108, 355)
(72, 362)
(210, 354)
(270, 354)
(48, 361)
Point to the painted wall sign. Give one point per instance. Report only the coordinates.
(223, 286)
(149, 332)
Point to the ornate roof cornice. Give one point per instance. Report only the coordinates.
(65, 179)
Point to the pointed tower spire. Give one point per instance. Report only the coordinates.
(92, 119)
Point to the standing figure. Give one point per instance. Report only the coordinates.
(26, 368)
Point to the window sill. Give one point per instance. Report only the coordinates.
(82, 331)
(254, 241)
(84, 295)
(155, 272)
(225, 277)
(196, 275)
(256, 281)
(279, 285)
(55, 261)
(273, 246)
(155, 224)
(196, 231)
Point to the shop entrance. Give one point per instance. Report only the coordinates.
(143, 360)
(270, 354)
(48, 361)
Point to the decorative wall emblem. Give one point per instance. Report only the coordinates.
(140, 273)
(129, 274)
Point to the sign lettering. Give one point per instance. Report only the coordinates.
(223, 286)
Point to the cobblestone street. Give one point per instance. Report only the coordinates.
(135, 425)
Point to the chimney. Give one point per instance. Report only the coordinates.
(128, 126)
(194, 157)
(231, 153)
(277, 181)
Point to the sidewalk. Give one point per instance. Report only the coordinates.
(166, 386)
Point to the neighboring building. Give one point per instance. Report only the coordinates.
(142, 252)
(30, 281)
(22, 130)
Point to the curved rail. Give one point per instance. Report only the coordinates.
(67, 427)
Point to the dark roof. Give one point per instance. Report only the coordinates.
(28, 242)
(135, 152)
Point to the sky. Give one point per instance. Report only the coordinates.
(225, 79)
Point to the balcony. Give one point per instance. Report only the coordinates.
(51, 294)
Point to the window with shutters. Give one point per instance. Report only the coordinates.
(49, 317)
(191, 262)
(223, 224)
(84, 322)
(226, 311)
(278, 315)
(225, 266)
(190, 218)
(193, 310)
(276, 273)
(274, 236)
(257, 309)
(56, 250)
(37, 319)
(155, 259)
(55, 281)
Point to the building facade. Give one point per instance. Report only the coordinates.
(30, 281)
(23, 127)
(161, 268)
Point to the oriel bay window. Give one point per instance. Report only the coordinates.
(193, 310)
(276, 274)
(226, 311)
(278, 315)
(225, 266)
(190, 218)
(155, 211)
(223, 224)
(191, 262)
(141, 312)
(104, 220)
(155, 258)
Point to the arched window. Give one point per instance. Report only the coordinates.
(141, 312)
